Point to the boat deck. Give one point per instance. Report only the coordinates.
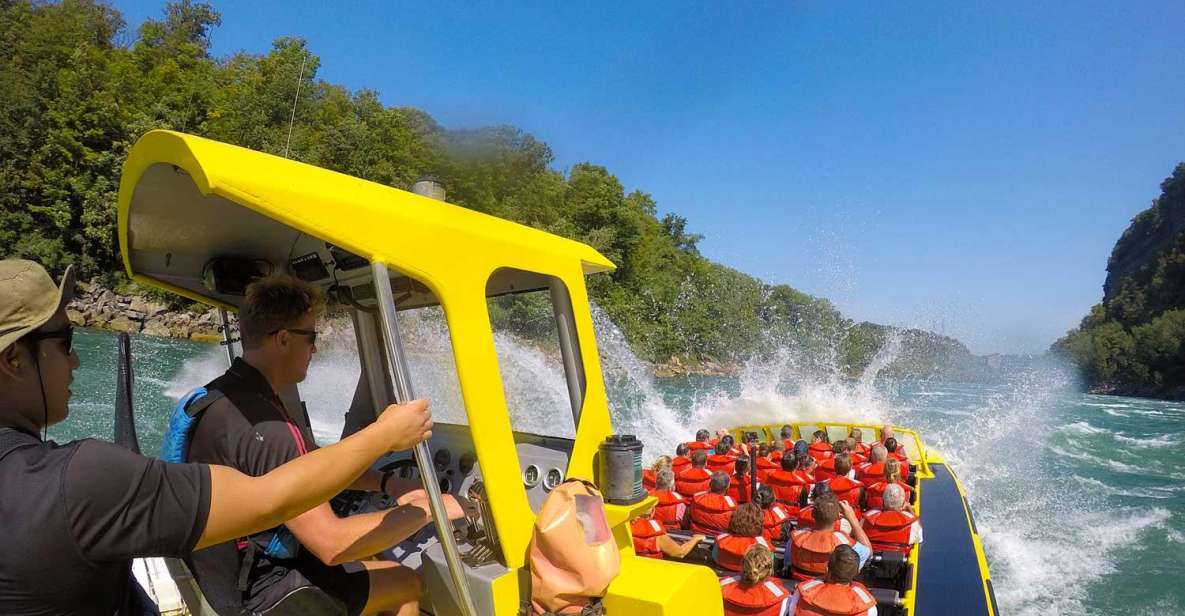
(948, 568)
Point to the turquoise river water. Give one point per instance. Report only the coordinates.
(1080, 499)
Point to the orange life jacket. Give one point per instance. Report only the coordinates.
(765, 598)
(774, 518)
(857, 458)
(864, 449)
(692, 481)
(670, 508)
(811, 549)
(820, 451)
(825, 470)
(694, 445)
(847, 489)
(874, 495)
(680, 464)
(721, 462)
(646, 532)
(765, 466)
(901, 457)
(889, 530)
(710, 513)
(872, 473)
(787, 485)
(819, 598)
(788, 444)
(648, 479)
(740, 489)
(730, 549)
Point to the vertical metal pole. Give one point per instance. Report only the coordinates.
(227, 339)
(561, 305)
(401, 378)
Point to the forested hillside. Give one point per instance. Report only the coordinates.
(79, 86)
(1134, 341)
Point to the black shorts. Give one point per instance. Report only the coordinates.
(273, 582)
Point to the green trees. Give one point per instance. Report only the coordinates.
(75, 97)
(1134, 341)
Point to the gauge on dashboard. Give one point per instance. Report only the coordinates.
(553, 480)
(531, 476)
(441, 458)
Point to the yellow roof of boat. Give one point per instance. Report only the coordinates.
(371, 220)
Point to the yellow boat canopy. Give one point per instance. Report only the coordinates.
(185, 200)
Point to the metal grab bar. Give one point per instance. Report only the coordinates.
(401, 379)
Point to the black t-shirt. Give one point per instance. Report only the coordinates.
(73, 516)
(249, 428)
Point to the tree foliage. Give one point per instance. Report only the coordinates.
(1134, 341)
(76, 95)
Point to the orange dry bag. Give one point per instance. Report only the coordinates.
(573, 555)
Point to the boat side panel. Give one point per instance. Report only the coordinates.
(951, 571)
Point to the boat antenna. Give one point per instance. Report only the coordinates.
(292, 120)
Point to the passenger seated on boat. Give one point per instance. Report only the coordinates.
(874, 469)
(854, 450)
(648, 474)
(682, 459)
(894, 528)
(820, 447)
(721, 460)
(787, 483)
(842, 486)
(873, 494)
(861, 447)
(836, 593)
(652, 541)
(809, 549)
(671, 506)
(895, 451)
(887, 433)
(701, 440)
(744, 531)
(695, 479)
(776, 516)
(711, 511)
(776, 450)
(807, 466)
(756, 592)
(787, 438)
(740, 484)
(826, 469)
(805, 518)
(764, 464)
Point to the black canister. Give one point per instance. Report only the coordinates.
(621, 469)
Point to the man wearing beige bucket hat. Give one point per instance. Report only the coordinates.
(72, 516)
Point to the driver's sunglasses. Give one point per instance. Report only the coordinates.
(309, 333)
(65, 334)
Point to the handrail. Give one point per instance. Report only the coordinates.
(401, 378)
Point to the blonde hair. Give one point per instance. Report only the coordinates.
(758, 564)
(892, 470)
(660, 463)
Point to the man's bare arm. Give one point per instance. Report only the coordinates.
(241, 505)
(335, 540)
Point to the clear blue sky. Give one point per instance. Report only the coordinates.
(964, 167)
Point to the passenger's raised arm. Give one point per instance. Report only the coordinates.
(241, 505)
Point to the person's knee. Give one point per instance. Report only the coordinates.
(394, 585)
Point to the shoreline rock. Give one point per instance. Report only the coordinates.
(102, 308)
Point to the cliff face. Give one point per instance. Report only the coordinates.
(1146, 271)
(1134, 341)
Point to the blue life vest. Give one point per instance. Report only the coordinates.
(278, 542)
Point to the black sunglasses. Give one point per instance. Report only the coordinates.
(311, 334)
(65, 334)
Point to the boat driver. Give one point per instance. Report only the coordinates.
(248, 426)
(75, 515)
